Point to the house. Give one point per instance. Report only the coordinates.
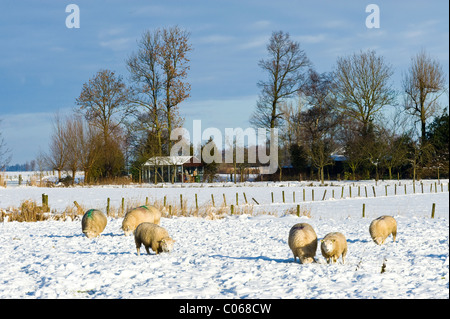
(172, 169)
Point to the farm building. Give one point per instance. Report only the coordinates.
(172, 169)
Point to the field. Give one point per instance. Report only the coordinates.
(239, 256)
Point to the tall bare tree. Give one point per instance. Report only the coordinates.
(285, 67)
(104, 101)
(72, 134)
(363, 86)
(5, 156)
(146, 76)
(57, 156)
(423, 84)
(175, 66)
(158, 70)
(318, 121)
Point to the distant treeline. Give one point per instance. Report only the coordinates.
(26, 167)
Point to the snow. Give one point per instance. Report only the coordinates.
(242, 256)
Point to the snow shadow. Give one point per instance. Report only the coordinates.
(278, 260)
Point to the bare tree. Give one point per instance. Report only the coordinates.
(57, 156)
(319, 120)
(104, 101)
(158, 70)
(285, 65)
(90, 149)
(174, 64)
(148, 83)
(423, 84)
(363, 86)
(5, 156)
(73, 134)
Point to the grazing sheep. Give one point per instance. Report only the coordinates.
(303, 242)
(154, 236)
(381, 228)
(93, 223)
(333, 246)
(139, 215)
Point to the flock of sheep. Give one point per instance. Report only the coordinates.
(144, 222)
(303, 240)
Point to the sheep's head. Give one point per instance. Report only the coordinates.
(90, 233)
(306, 260)
(328, 245)
(167, 244)
(127, 230)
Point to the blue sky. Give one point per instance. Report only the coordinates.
(43, 64)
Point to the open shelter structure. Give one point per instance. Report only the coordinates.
(172, 169)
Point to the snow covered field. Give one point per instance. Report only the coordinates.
(240, 256)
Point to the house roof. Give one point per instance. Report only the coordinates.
(172, 160)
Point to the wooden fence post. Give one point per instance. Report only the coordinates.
(45, 207)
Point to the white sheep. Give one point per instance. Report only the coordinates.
(303, 242)
(381, 228)
(93, 223)
(139, 215)
(154, 236)
(333, 246)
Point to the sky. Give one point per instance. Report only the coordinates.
(43, 64)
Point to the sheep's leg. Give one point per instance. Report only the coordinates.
(155, 247)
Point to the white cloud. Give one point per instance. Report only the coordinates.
(256, 42)
(261, 25)
(318, 38)
(119, 44)
(215, 39)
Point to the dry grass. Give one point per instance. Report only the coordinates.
(303, 211)
(29, 211)
(2, 180)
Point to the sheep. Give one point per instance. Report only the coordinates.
(381, 228)
(93, 223)
(139, 215)
(303, 242)
(154, 236)
(333, 246)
